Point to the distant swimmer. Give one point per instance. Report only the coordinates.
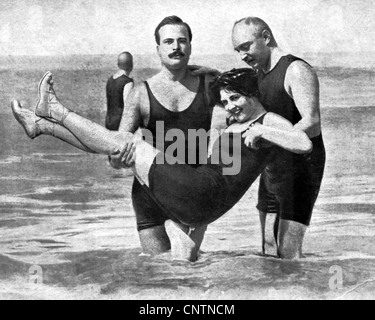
(117, 90)
(192, 196)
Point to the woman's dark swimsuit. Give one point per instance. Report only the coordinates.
(198, 196)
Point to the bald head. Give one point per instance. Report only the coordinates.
(125, 61)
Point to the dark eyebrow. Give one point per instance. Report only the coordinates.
(234, 95)
(173, 39)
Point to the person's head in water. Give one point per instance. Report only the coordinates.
(125, 61)
(173, 37)
(253, 39)
(236, 90)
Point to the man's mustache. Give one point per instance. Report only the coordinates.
(176, 53)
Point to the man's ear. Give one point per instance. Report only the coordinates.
(158, 50)
(266, 36)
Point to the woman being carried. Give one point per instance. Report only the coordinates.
(192, 196)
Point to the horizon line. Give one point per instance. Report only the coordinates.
(153, 53)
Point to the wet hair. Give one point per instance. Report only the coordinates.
(260, 26)
(173, 20)
(243, 81)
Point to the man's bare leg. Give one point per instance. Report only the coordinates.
(154, 240)
(185, 241)
(290, 239)
(267, 224)
(197, 235)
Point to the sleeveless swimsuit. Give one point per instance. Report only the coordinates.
(115, 101)
(290, 184)
(196, 116)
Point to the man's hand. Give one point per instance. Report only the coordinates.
(252, 136)
(124, 156)
(200, 70)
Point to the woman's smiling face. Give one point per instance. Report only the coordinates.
(237, 104)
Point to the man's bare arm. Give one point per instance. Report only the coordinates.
(131, 117)
(125, 93)
(131, 120)
(279, 131)
(302, 84)
(199, 70)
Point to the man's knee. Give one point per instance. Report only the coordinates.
(154, 240)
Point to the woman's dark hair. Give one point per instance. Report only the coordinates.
(243, 81)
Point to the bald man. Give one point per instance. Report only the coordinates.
(290, 184)
(117, 89)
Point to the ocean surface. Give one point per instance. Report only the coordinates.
(68, 214)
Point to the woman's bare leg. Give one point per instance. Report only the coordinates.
(92, 135)
(100, 140)
(35, 126)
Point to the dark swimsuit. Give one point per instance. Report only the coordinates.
(290, 184)
(196, 116)
(197, 196)
(115, 101)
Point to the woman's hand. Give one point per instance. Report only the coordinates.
(230, 119)
(253, 135)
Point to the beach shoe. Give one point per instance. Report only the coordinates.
(48, 106)
(27, 119)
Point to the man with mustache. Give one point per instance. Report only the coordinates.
(178, 100)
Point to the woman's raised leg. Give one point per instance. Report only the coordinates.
(92, 135)
(35, 126)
